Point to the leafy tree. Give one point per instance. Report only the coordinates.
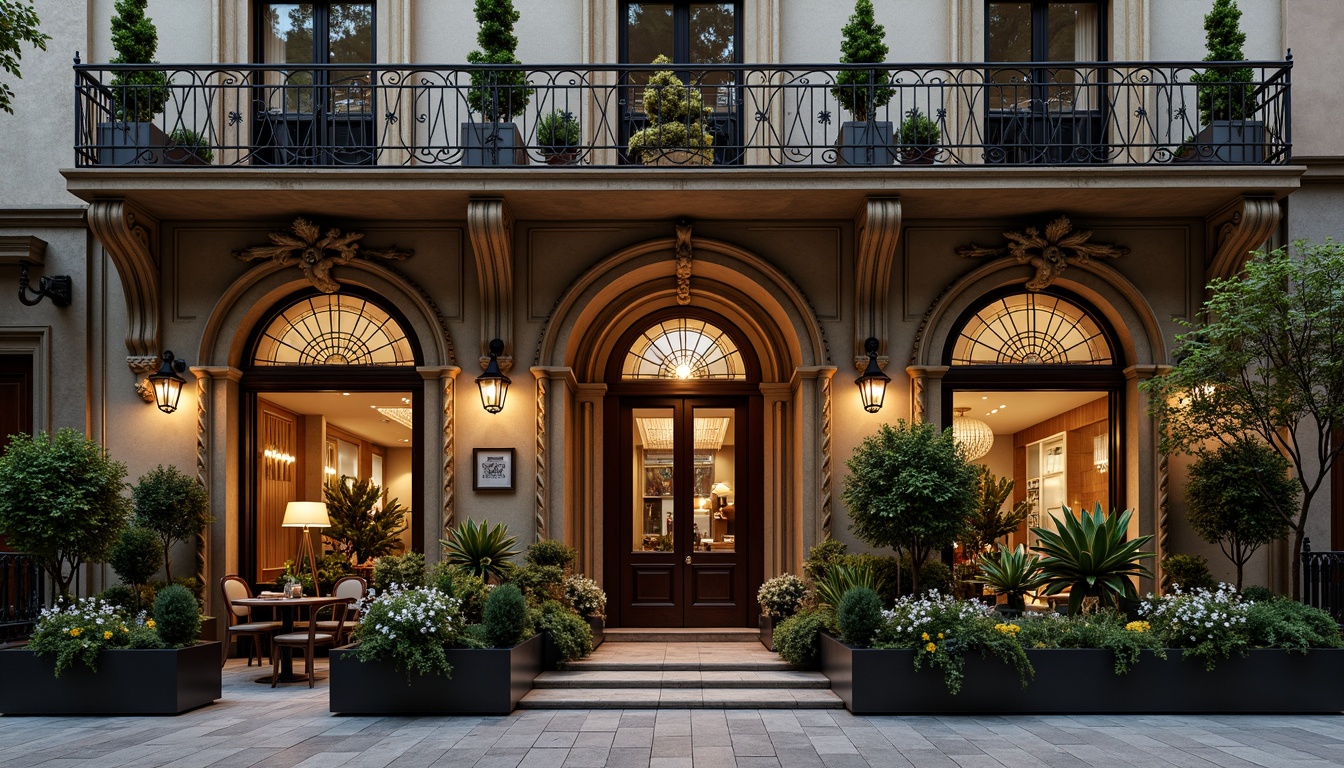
(989, 522)
(1266, 362)
(359, 529)
(60, 500)
(1233, 496)
(497, 95)
(862, 91)
(171, 505)
(910, 487)
(138, 95)
(136, 557)
(18, 24)
(1225, 93)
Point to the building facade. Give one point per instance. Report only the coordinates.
(333, 248)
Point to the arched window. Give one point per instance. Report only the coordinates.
(683, 348)
(1032, 329)
(333, 329)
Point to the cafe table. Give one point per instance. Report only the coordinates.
(287, 608)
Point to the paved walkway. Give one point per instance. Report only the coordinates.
(254, 725)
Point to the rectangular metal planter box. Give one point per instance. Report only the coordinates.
(1229, 141)
(599, 628)
(122, 143)
(128, 682)
(1083, 681)
(485, 681)
(768, 624)
(866, 143)
(492, 144)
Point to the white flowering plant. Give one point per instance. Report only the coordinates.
(782, 596)
(941, 630)
(1208, 624)
(411, 627)
(586, 597)
(78, 632)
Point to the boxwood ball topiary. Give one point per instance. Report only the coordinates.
(796, 638)
(177, 615)
(859, 616)
(550, 552)
(505, 616)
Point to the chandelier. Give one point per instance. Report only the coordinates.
(973, 436)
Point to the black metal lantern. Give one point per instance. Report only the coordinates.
(873, 382)
(492, 382)
(167, 382)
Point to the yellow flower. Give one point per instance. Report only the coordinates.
(150, 623)
(1138, 626)
(74, 631)
(107, 634)
(940, 635)
(924, 636)
(124, 629)
(931, 648)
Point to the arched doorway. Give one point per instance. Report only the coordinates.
(1034, 382)
(329, 389)
(683, 517)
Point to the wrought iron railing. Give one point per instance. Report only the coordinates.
(1084, 113)
(21, 590)
(1323, 580)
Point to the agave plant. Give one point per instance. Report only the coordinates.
(840, 579)
(1012, 573)
(1089, 556)
(483, 550)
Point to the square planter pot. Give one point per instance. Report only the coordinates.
(1227, 141)
(768, 624)
(123, 143)
(1083, 681)
(867, 143)
(485, 681)
(128, 682)
(492, 144)
(599, 628)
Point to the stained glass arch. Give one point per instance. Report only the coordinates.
(333, 329)
(683, 348)
(1032, 329)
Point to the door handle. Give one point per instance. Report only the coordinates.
(688, 559)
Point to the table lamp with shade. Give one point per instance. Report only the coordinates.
(720, 492)
(305, 515)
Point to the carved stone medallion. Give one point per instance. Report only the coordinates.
(316, 253)
(1051, 253)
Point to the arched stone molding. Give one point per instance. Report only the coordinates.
(777, 321)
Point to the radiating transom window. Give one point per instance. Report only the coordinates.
(683, 348)
(1031, 329)
(334, 329)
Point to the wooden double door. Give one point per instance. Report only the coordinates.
(684, 518)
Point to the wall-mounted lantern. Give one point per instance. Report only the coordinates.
(166, 383)
(492, 382)
(873, 382)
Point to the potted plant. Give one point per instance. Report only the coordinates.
(675, 134)
(188, 147)
(87, 657)
(131, 137)
(558, 137)
(918, 138)
(364, 523)
(862, 92)
(496, 94)
(1012, 573)
(588, 600)
(780, 598)
(1226, 95)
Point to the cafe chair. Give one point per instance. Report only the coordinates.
(351, 588)
(236, 588)
(309, 639)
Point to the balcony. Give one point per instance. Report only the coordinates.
(1094, 113)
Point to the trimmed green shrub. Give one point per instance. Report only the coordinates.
(173, 506)
(550, 552)
(497, 95)
(1258, 594)
(859, 616)
(1190, 571)
(572, 635)
(796, 638)
(137, 96)
(467, 587)
(1290, 625)
(408, 570)
(505, 617)
(1237, 498)
(136, 557)
(862, 91)
(1224, 93)
(177, 616)
(820, 557)
(540, 583)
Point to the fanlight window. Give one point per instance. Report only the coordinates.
(333, 329)
(1031, 329)
(683, 348)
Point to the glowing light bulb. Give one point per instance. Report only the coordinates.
(683, 371)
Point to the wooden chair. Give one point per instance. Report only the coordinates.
(351, 588)
(309, 639)
(236, 588)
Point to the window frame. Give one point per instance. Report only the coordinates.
(321, 31)
(1040, 28)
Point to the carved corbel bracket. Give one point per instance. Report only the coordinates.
(491, 227)
(128, 237)
(878, 229)
(1241, 226)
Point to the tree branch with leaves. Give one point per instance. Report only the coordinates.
(18, 24)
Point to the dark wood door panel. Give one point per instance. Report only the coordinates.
(652, 585)
(712, 585)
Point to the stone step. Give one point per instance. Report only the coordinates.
(688, 635)
(609, 664)
(680, 698)
(670, 679)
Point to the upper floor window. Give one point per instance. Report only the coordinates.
(1039, 30)
(319, 33)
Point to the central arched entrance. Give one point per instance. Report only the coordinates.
(684, 502)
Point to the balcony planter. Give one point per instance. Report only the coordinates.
(485, 681)
(1083, 681)
(866, 143)
(676, 157)
(1226, 141)
(165, 681)
(923, 156)
(492, 145)
(123, 143)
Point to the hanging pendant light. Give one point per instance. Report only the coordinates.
(873, 382)
(973, 435)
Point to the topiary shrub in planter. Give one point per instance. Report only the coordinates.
(918, 139)
(135, 558)
(558, 137)
(91, 658)
(862, 92)
(132, 137)
(497, 94)
(675, 134)
(1226, 95)
(172, 505)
